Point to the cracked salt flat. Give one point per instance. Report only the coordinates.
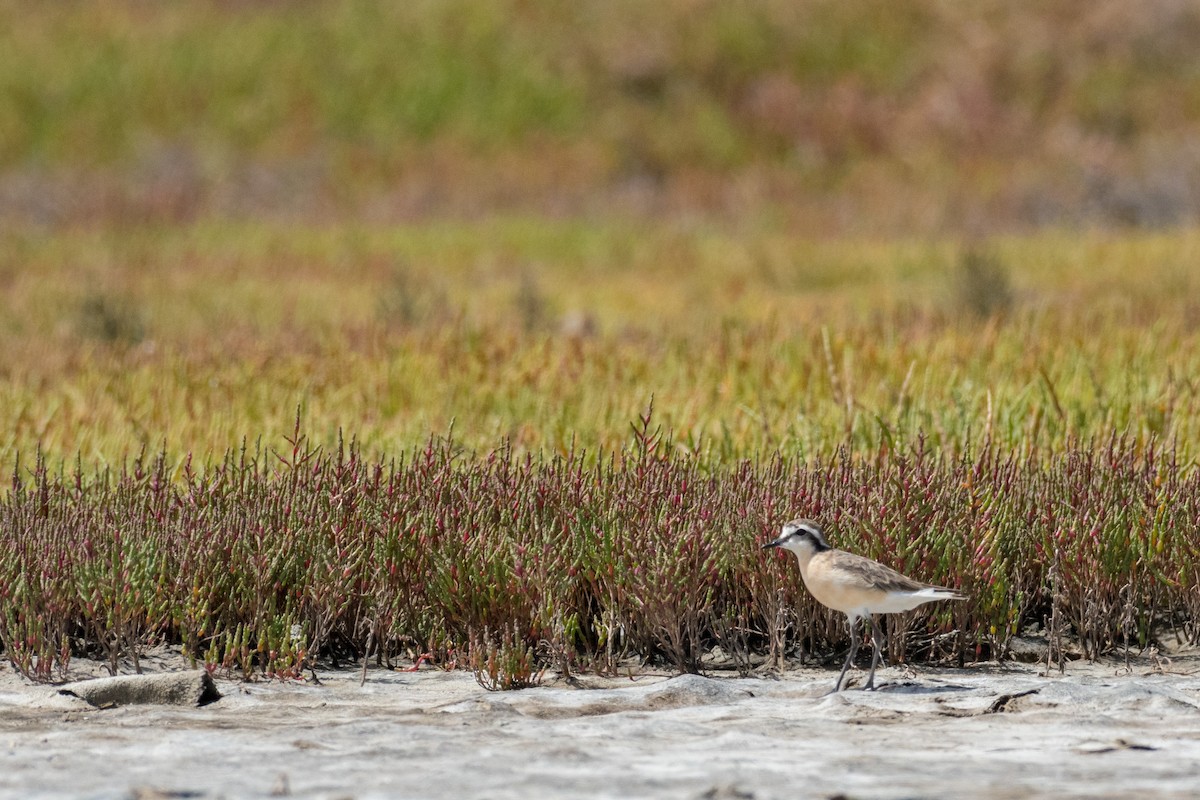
(433, 734)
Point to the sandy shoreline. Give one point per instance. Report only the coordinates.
(428, 734)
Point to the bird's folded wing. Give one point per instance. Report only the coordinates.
(872, 575)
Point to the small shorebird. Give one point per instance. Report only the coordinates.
(854, 585)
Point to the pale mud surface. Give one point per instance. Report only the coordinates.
(1095, 732)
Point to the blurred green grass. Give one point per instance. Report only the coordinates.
(557, 335)
(844, 116)
(90, 84)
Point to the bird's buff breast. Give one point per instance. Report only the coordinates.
(837, 591)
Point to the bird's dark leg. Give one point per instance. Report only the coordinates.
(837, 687)
(877, 640)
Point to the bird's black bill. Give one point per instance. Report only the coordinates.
(775, 543)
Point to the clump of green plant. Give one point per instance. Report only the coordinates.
(982, 284)
(504, 661)
(110, 319)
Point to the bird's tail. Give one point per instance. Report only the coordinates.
(941, 593)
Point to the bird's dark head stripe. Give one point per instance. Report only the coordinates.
(805, 529)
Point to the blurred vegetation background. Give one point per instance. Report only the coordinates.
(870, 117)
(796, 224)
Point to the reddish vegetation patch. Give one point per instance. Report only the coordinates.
(266, 560)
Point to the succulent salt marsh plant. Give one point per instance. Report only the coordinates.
(267, 563)
(504, 661)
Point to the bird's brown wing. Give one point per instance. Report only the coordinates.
(873, 575)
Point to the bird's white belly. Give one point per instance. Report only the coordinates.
(895, 602)
(851, 600)
(860, 601)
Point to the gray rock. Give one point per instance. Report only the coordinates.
(191, 688)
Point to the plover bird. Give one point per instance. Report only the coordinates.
(854, 585)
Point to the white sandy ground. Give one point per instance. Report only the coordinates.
(1094, 732)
